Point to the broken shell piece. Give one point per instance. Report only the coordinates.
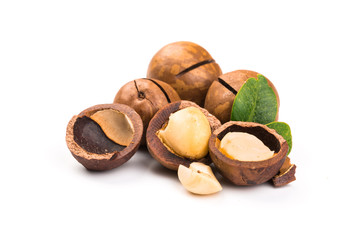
(286, 174)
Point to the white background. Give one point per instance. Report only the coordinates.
(60, 57)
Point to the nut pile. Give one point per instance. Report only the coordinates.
(182, 112)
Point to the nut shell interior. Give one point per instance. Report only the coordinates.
(158, 150)
(89, 144)
(248, 172)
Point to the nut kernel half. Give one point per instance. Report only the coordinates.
(187, 133)
(198, 179)
(244, 147)
(116, 125)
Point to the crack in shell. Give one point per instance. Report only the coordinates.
(196, 65)
(227, 86)
(161, 88)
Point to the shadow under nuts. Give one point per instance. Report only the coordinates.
(146, 96)
(187, 67)
(179, 134)
(220, 97)
(104, 136)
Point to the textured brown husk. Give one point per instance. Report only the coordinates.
(157, 148)
(170, 64)
(249, 172)
(100, 162)
(146, 96)
(219, 99)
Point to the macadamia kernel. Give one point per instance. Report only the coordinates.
(244, 147)
(198, 178)
(116, 126)
(187, 133)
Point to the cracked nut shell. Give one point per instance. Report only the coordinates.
(248, 172)
(146, 96)
(104, 136)
(286, 174)
(220, 97)
(158, 150)
(187, 67)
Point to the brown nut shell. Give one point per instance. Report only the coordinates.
(187, 67)
(220, 97)
(158, 150)
(146, 96)
(248, 172)
(89, 144)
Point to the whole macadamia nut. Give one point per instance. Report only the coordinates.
(187, 67)
(220, 97)
(146, 96)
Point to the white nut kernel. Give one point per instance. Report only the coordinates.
(198, 179)
(244, 147)
(187, 133)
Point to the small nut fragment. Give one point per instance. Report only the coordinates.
(198, 179)
(286, 174)
(187, 133)
(244, 147)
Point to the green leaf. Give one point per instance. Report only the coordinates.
(255, 102)
(284, 130)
